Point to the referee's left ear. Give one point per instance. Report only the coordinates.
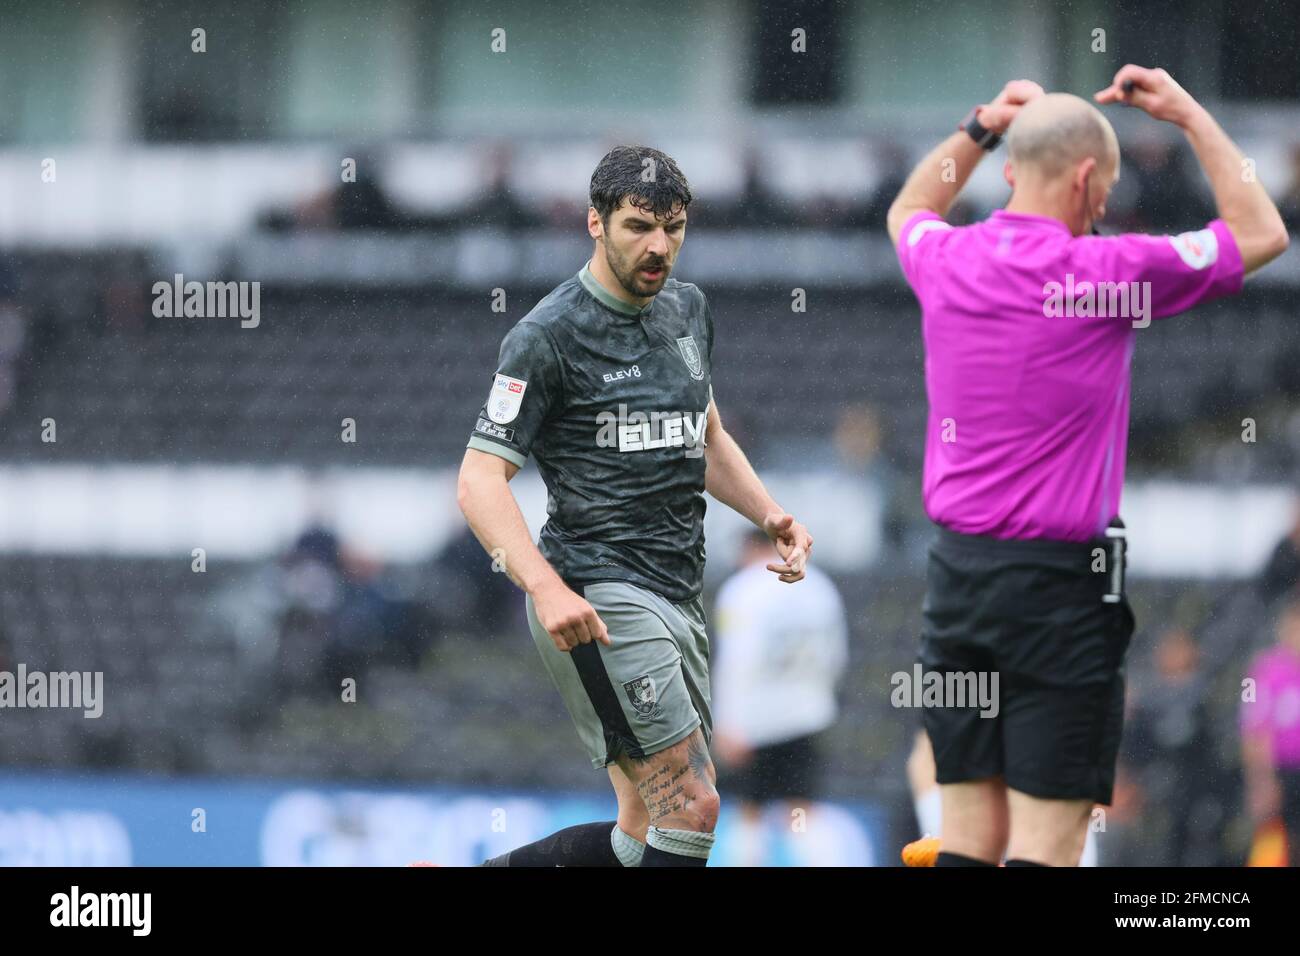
(1083, 173)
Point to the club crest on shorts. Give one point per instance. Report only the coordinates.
(691, 356)
(641, 694)
(507, 395)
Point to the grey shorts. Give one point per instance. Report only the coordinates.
(645, 692)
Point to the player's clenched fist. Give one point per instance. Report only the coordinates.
(568, 618)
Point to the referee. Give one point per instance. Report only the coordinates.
(1029, 321)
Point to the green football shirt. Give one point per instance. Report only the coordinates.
(611, 402)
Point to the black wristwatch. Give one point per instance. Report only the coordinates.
(985, 139)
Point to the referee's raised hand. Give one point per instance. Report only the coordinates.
(1241, 201)
(1153, 91)
(998, 115)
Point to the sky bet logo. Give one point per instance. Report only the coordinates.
(646, 431)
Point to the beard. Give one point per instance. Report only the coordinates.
(628, 276)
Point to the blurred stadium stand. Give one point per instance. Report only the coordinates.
(475, 710)
(408, 361)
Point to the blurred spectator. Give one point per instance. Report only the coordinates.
(1169, 741)
(754, 207)
(1289, 205)
(13, 334)
(859, 445)
(497, 206)
(1126, 842)
(363, 204)
(123, 303)
(858, 437)
(482, 599)
(337, 617)
(853, 446)
(892, 158)
(1166, 199)
(311, 585)
(780, 652)
(1270, 730)
(1281, 574)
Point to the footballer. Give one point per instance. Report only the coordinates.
(606, 385)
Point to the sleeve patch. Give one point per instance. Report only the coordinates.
(924, 226)
(486, 427)
(1197, 249)
(506, 398)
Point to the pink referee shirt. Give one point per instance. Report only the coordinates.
(1275, 711)
(1029, 332)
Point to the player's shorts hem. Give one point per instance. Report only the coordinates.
(1057, 791)
(1097, 792)
(968, 775)
(650, 749)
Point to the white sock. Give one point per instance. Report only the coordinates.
(682, 842)
(1089, 857)
(628, 849)
(929, 812)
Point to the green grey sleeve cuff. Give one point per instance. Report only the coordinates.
(478, 443)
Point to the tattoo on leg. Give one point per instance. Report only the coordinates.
(663, 792)
(665, 785)
(697, 756)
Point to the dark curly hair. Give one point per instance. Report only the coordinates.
(657, 187)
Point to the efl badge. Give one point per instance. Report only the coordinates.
(641, 694)
(1197, 249)
(507, 394)
(691, 355)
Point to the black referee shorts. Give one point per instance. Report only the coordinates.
(1033, 613)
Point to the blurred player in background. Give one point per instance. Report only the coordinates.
(780, 655)
(606, 384)
(1270, 731)
(1026, 442)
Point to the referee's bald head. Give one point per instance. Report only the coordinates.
(1056, 132)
